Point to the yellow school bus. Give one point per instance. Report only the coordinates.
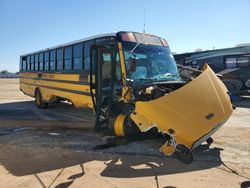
(131, 82)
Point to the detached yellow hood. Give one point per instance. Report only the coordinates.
(193, 111)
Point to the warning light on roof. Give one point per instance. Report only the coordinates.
(129, 37)
(164, 42)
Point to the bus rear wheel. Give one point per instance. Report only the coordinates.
(39, 100)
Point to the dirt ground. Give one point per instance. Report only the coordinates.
(56, 148)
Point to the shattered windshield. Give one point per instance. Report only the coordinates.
(154, 63)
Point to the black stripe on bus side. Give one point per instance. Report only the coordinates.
(60, 89)
(60, 81)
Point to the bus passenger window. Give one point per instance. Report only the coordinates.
(78, 53)
(46, 61)
(28, 63)
(36, 62)
(41, 61)
(52, 62)
(23, 65)
(20, 66)
(59, 59)
(67, 58)
(32, 62)
(87, 48)
(231, 62)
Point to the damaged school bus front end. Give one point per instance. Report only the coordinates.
(194, 112)
(155, 96)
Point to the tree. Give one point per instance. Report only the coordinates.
(4, 72)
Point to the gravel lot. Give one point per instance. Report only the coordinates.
(55, 147)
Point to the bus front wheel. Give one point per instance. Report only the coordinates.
(184, 154)
(39, 100)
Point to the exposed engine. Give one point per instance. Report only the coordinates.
(147, 93)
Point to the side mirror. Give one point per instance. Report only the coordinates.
(132, 64)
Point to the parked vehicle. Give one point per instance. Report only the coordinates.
(232, 63)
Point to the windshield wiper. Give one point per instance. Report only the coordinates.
(172, 75)
(146, 79)
(154, 81)
(132, 51)
(167, 76)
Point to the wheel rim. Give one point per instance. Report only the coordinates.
(118, 125)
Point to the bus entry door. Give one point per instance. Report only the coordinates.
(104, 69)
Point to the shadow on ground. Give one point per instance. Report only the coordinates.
(35, 151)
(35, 158)
(26, 110)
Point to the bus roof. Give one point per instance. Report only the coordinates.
(114, 34)
(73, 42)
(90, 38)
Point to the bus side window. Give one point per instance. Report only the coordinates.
(24, 66)
(78, 59)
(36, 62)
(52, 63)
(59, 58)
(230, 62)
(46, 61)
(243, 62)
(28, 63)
(24, 62)
(41, 61)
(87, 47)
(68, 58)
(32, 62)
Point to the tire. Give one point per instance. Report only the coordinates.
(209, 141)
(184, 154)
(130, 129)
(39, 100)
(124, 126)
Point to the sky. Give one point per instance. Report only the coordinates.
(31, 25)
